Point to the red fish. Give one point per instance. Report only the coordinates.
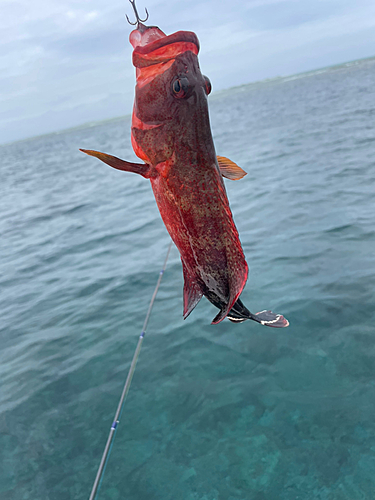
(171, 133)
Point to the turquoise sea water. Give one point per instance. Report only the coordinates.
(226, 412)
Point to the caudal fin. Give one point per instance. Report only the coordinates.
(240, 313)
(268, 318)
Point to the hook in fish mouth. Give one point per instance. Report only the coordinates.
(139, 20)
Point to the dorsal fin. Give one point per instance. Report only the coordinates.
(229, 169)
(192, 291)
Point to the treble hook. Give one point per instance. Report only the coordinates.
(139, 20)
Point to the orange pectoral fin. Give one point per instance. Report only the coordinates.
(137, 168)
(229, 169)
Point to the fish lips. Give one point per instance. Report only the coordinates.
(165, 49)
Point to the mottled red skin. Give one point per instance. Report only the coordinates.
(187, 183)
(171, 133)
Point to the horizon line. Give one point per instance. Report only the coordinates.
(214, 94)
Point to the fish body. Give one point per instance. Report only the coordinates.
(171, 133)
(195, 210)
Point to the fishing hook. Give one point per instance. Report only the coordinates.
(139, 20)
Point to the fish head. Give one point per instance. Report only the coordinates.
(170, 106)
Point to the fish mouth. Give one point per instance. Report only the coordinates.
(178, 37)
(165, 49)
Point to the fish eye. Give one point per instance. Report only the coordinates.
(208, 86)
(180, 87)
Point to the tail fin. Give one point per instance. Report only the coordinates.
(236, 320)
(240, 313)
(268, 318)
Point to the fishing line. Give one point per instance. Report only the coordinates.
(116, 420)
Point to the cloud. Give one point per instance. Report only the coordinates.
(68, 62)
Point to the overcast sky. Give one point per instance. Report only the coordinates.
(67, 62)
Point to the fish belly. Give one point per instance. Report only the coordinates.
(196, 213)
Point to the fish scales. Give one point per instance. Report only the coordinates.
(171, 133)
(204, 232)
